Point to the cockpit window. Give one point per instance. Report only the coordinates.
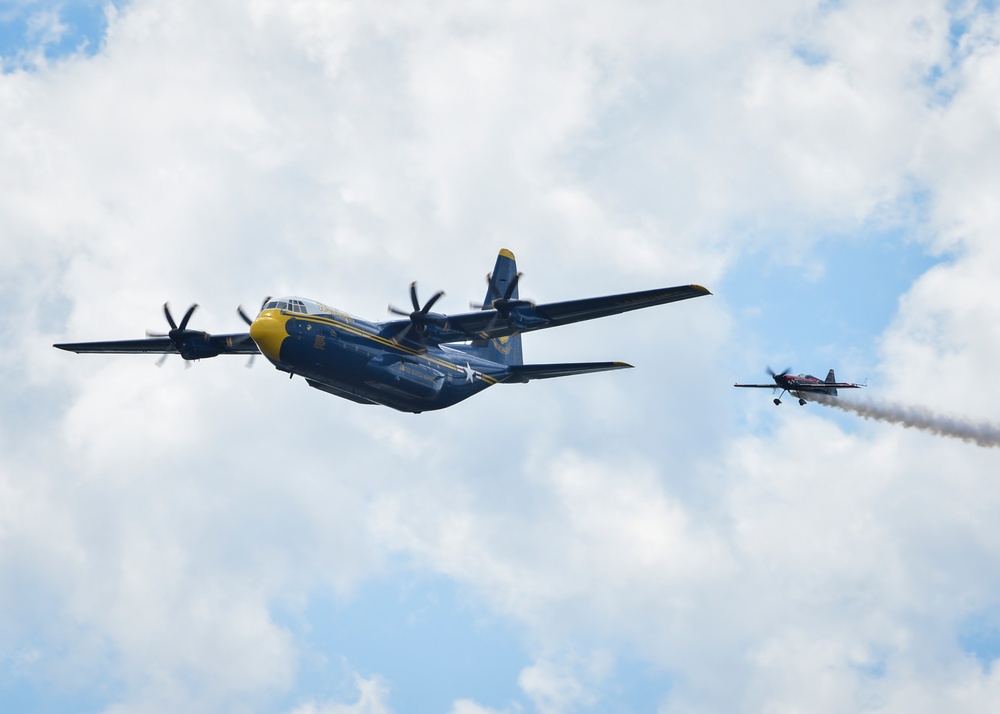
(289, 305)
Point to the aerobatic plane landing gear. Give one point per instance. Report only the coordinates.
(802, 402)
(777, 402)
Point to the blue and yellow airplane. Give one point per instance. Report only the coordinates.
(423, 361)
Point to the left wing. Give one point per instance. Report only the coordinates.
(760, 386)
(525, 317)
(198, 345)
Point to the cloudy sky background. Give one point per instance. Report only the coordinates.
(221, 539)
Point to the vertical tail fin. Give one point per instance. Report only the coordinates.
(502, 284)
(831, 378)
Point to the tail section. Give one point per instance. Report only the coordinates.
(831, 379)
(500, 295)
(502, 284)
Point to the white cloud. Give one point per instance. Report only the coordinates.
(373, 695)
(467, 706)
(553, 689)
(152, 520)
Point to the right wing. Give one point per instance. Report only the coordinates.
(760, 386)
(525, 317)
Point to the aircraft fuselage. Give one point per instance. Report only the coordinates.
(358, 360)
(804, 382)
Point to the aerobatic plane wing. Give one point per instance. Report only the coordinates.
(525, 317)
(760, 386)
(824, 385)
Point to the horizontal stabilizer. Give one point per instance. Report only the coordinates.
(527, 372)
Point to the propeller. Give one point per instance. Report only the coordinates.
(502, 302)
(246, 319)
(421, 316)
(173, 325)
(186, 342)
(779, 375)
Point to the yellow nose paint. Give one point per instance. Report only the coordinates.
(268, 331)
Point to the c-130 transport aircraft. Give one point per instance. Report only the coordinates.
(422, 362)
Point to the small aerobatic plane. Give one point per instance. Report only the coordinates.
(797, 384)
(422, 361)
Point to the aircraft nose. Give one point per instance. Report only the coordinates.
(268, 331)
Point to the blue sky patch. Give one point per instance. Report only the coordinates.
(836, 304)
(979, 635)
(54, 28)
(426, 639)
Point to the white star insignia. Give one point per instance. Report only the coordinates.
(469, 372)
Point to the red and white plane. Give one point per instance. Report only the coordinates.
(797, 384)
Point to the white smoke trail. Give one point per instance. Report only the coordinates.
(982, 433)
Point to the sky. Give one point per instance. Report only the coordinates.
(210, 537)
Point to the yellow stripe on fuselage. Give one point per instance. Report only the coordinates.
(269, 330)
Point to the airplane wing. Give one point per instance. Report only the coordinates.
(525, 317)
(210, 346)
(760, 386)
(527, 372)
(824, 386)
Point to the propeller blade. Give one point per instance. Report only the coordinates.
(170, 319)
(413, 296)
(489, 326)
(493, 289)
(402, 335)
(430, 303)
(243, 314)
(512, 287)
(187, 316)
(396, 311)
